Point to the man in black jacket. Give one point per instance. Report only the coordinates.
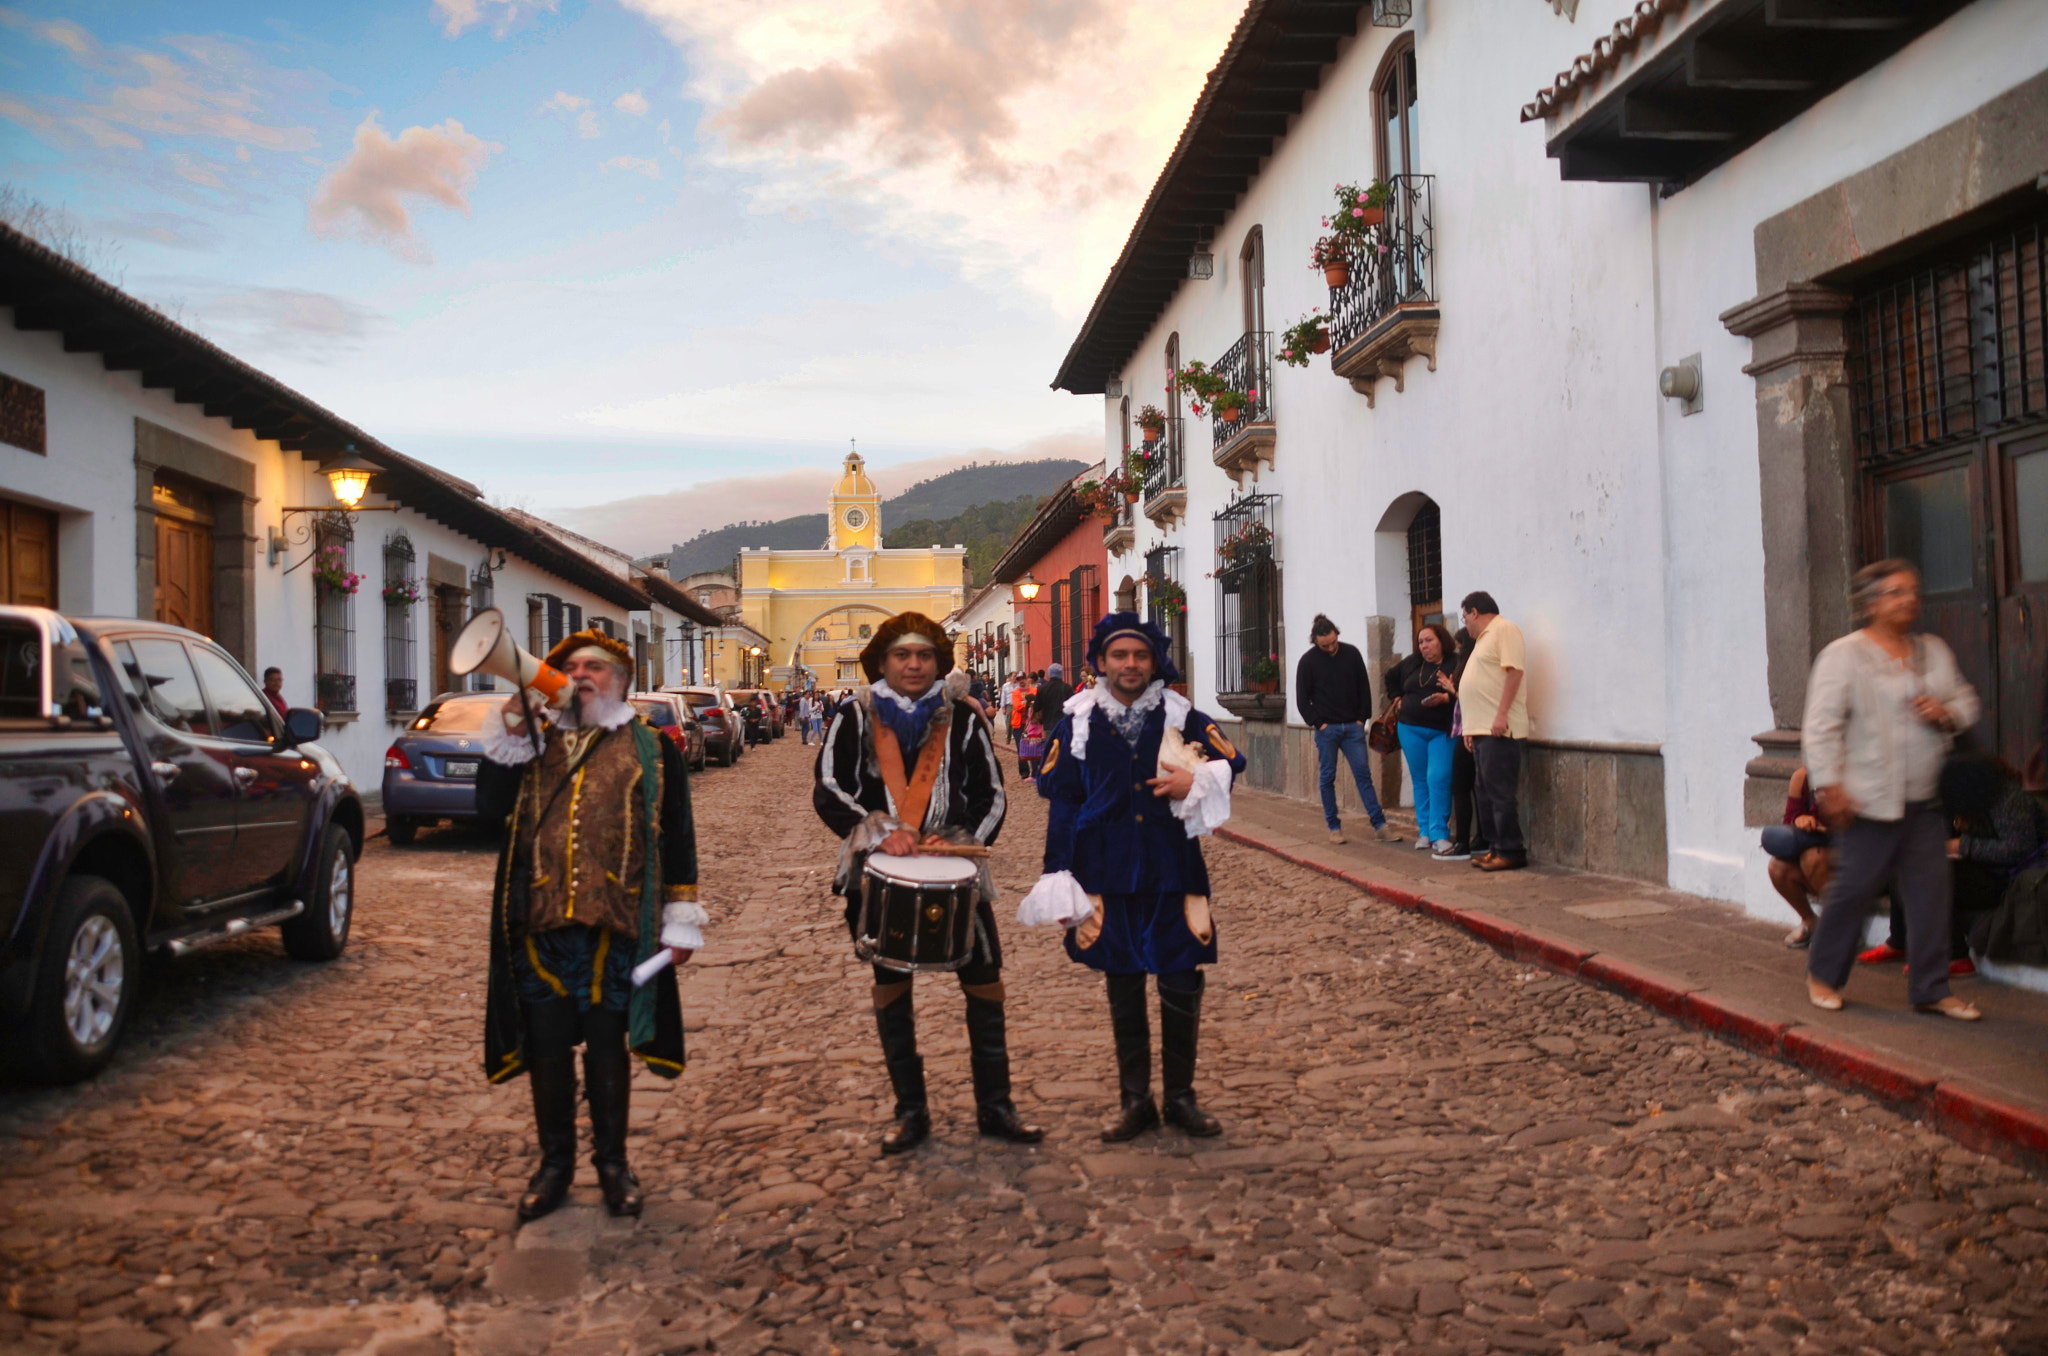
(1051, 699)
(1334, 695)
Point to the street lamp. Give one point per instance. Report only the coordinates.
(1027, 588)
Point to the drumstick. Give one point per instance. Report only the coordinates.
(951, 850)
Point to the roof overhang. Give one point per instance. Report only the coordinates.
(47, 292)
(1276, 55)
(1681, 86)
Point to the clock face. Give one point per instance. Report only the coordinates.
(856, 518)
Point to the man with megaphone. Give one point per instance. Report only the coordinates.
(597, 890)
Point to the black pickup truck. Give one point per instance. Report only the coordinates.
(150, 800)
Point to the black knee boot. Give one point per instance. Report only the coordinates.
(1133, 1059)
(989, 1056)
(551, 1069)
(1180, 1019)
(896, 1020)
(608, 1077)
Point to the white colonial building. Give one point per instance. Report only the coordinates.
(146, 473)
(1817, 225)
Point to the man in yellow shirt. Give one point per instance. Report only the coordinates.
(1494, 707)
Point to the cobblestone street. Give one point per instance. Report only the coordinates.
(1428, 1148)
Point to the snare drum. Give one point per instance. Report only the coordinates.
(917, 913)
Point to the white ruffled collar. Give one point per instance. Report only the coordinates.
(880, 688)
(1091, 699)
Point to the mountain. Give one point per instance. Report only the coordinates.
(941, 502)
(986, 530)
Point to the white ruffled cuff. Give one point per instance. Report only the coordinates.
(501, 745)
(1057, 901)
(1206, 808)
(682, 925)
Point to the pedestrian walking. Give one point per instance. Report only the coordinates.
(1422, 689)
(1802, 857)
(1031, 747)
(1495, 705)
(1051, 698)
(1005, 703)
(1883, 705)
(565, 940)
(1020, 698)
(1334, 695)
(814, 724)
(1124, 872)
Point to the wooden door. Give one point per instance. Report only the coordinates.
(28, 555)
(184, 574)
(1935, 514)
(449, 607)
(2022, 621)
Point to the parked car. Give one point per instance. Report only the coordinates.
(762, 700)
(151, 799)
(724, 735)
(430, 769)
(667, 712)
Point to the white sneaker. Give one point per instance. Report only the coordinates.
(1421, 844)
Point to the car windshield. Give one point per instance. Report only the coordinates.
(657, 712)
(698, 702)
(464, 715)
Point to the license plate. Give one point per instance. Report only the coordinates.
(462, 767)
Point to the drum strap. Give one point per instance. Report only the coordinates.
(913, 795)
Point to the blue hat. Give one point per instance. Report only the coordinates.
(1131, 624)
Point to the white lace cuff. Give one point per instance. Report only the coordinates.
(1206, 807)
(682, 925)
(1057, 901)
(503, 746)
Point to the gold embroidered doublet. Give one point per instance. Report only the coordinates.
(589, 844)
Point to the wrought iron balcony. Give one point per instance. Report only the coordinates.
(337, 691)
(1166, 492)
(1240, 444)
(401, 695)
(1386, 311)
(1120, 533)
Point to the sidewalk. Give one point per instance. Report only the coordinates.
(1713, 968)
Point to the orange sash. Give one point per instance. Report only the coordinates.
(913, 796)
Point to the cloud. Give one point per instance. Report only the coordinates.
(458, 15)
(1013, 138)
(636, 164)
(291, 320)
(649, 523)
(365, 194)
(586, 118)
(665, 130)
(633, 101)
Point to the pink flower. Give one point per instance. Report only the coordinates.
(1358, 211)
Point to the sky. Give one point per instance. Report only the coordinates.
(587, 252)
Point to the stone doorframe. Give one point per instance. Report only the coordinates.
(1805, 256)
(231, 485)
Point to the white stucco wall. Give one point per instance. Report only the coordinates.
(1624, 539)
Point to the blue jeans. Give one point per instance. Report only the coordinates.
(1429, 767)
(1350, 741)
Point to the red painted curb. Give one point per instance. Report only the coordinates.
(1858, 1067)
(1566, 958)
(1736, 1024)
(1497, 933)
(1984, 1123)
(1647, 987)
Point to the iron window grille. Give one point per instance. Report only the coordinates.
(1166, 601)
(537, 623)
(334, 631)
(1951, 351)
(481, 596)
(1247, 367)
(1396, 265)
(1165, 462)
(1426, 556)
(401, 688)
(1249, 630)
(1056, 630)
(1084, 605)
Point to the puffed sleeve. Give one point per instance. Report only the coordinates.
(1201, 729)
(1062, 781)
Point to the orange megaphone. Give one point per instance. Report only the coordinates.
(485, 646)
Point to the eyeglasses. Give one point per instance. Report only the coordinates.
(1908, 592)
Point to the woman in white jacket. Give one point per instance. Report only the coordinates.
(1883, 705)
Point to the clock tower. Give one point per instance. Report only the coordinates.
(855, 510)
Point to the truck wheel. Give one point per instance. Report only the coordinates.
(400, 830)
(321, 931)
(85, 986)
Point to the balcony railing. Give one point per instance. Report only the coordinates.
(1119, 534)
(337, 691)
(401, 695)
(1397, 265)
(1166, 480)
(1248, 367)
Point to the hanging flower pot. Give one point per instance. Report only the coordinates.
(1337, 272)
(1370, 216)
(1230, 414)
(1321, 343)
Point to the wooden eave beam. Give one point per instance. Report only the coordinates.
(1719, 64)
(1612, 164)
(1837, 16)
(1648, 118)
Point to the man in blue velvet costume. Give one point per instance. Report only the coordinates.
(1135, 774)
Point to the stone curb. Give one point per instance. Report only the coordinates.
(1971, 1115)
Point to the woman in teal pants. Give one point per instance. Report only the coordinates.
(1422, 683)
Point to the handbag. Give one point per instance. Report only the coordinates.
(1381, 737)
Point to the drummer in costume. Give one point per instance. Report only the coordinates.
(908, 760)
(598, 873)
(1135, 774)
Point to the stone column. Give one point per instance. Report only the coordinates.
(1379, 657)
(1806, 456)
